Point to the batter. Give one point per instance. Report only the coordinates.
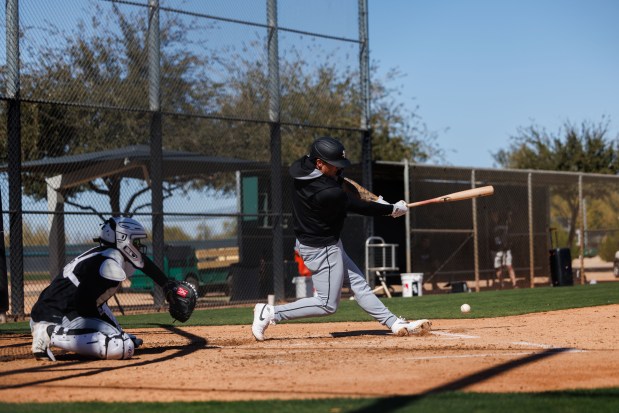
(320, 208)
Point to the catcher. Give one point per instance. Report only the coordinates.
(72, 312)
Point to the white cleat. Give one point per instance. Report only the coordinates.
(264, 314)
(404, 328)
(40, 342)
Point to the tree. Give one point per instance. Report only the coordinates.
(317, 91)
(175, 233)
(103, 63)
(36, 235)
(203, 232)
(575, 148)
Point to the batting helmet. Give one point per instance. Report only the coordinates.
(329, 150)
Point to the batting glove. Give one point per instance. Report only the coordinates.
(399, 208)
(380, 200)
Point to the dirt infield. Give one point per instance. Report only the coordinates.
(544, 351)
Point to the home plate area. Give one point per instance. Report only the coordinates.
(560, 350)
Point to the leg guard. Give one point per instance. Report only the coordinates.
(94, 344)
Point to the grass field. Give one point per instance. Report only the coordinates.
(446, 306)
(599, 401)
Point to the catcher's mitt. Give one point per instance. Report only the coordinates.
(182, 297)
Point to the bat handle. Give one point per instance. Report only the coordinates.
(418, 203)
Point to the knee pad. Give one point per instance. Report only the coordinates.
(94, 344)
(119, 347)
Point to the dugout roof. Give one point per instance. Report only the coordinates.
(133, 162)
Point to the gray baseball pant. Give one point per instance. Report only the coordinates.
(331, 269)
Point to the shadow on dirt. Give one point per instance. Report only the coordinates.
(392, 404)
(89, 367)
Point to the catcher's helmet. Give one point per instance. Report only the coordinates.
(329, 150)
(125, 234)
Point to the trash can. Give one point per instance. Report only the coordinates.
(412, 284)
(561, 267)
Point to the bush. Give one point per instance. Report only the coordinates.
(608, 246)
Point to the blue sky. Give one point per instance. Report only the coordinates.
(476, 69)
(480, 69)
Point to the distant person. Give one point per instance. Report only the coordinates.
(500, 247)
(72, 312)
(320, 208)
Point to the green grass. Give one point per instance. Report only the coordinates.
(444, 306)
(35, 276)
(600, 401)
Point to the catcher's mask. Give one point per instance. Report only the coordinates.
(125, 234)
(329, 150)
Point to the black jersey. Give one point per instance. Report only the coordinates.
(86, 283)
(500, 238)
(321, 205)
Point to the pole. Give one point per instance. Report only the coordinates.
(366, 135)
(582, 230)
(475, 235)
(408, 218)
(276, 152)
(531, 237)
(14, 158)
(156, 141)
(4, 282)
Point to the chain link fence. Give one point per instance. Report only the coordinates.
(560, 227)
(165, 111)
(181, 114)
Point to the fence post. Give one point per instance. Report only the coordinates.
(475, 235)
(581, 245)
(407, 217)
(156, 141)
(276, 151)
(4, 282)
(364, 84)
(531, 237)
(14, 158)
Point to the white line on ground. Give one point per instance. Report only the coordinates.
(463, 356)
(526, 343)
(452, 336)
(455, 336)
(548, 346)
(506, 354)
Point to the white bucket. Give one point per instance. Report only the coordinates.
(304, 286)
(412, 284)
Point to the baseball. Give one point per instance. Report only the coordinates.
(465, 308)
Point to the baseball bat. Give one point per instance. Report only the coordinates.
(360, 191)
(457, 196)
